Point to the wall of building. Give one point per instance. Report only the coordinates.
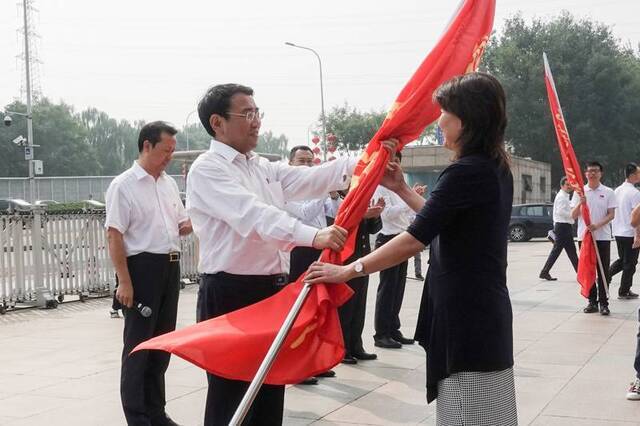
(531, 179)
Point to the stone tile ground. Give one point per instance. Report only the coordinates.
(61, 367)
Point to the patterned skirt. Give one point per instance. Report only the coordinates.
(476, 398)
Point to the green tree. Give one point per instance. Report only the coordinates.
(268, 143)
(112, 140)
(598, 82)
(62, 140)
(352, 128)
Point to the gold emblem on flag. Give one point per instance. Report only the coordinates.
(300, 340)
(478, 50)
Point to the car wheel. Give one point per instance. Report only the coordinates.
(517, 233)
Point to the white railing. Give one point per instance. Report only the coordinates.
(71, 259)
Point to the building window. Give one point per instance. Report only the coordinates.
(527, 183)
(543, 184)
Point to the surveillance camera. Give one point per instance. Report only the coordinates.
(20, 140)
(8, 120)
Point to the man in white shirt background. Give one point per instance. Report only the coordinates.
(313, 213)
(602, 207)
(395, 220)
(236, 202)
(627, 237)
(310, 212)
(145, 218)
(563, 229)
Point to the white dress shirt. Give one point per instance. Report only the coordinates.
(314, 212)
(236, 206)
(627, 197)
(146, 211)
(562, 208)
(396, 216)
(599, 201)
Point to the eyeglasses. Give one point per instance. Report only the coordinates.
(592, 171)
(249, 116)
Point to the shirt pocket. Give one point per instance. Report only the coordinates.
(276, 193)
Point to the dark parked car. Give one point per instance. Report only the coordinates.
(530, 221)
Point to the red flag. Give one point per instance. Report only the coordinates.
(587, 262)
(234, 345)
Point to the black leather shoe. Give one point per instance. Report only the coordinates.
(545, 276)
(364, 356)
(628, 295)
(163, 421)
(309, 381)
(348, 359)
(604, 310)
(329, 373)
(591, 308)
(387, 342)
(404, 340)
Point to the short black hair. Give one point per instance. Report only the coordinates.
(563, 180)
(594, 164)
(217, 100)
(630, 169)
(297, 148)
(153, 131)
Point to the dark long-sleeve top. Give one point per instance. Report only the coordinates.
(363, 245)
(465, 319)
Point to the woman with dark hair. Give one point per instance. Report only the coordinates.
(465, 319)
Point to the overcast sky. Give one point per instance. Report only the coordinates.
(153, 59)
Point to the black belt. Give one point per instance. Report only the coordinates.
(277, 279)
(173, 256)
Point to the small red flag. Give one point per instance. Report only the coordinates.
(234, 345)
(587, 262)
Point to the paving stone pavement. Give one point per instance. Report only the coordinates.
(61, 367)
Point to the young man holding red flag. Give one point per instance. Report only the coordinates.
(602, 205)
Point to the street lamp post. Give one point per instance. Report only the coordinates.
(324, 121)
(186, 127)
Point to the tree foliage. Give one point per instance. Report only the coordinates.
(598, 83)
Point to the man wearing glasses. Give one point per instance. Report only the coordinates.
(602, 207)
(235, 199)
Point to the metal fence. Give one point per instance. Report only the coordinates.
(46, 256)
(63, 189)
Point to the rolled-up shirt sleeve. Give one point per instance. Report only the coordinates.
(213, 192)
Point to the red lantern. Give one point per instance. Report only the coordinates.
(316, 150)
(332, 158)
(315, 140)
(317, 161)
(332, 138)
(331, 148)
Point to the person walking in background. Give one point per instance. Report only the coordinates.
(627, 238)
(563, 230)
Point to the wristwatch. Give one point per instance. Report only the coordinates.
(358, 267)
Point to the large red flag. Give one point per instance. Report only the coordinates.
(587, 263)
(234, 345)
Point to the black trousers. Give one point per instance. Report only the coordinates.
(156, 284)
(219, 294)
(301, 259)
(626, 263)
(389, 296)
(564, 241)
(598, 292)
(352, 316)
